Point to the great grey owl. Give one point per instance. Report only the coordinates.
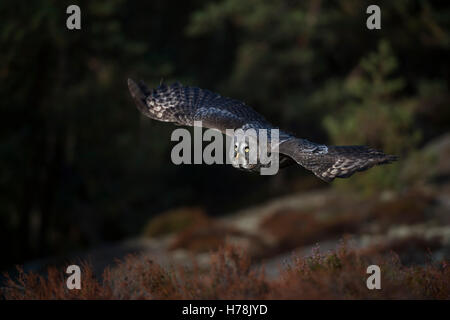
(183, 105)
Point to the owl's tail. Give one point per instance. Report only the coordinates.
(344, 161)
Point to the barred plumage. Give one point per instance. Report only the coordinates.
(184, 105)
(337, 161)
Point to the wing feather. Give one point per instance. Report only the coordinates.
(183, 105)
(329, 162)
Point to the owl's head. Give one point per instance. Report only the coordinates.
(245, 155)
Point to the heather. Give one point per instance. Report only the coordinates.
(337, 274)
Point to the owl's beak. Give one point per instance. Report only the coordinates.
(237, 156)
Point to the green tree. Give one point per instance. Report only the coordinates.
(373, 111)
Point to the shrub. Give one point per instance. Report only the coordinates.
(174, 221)
(293, 228)
(373, 111)
(338, 274)
(213, 235)
(408, 208)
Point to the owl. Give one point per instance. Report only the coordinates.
(183, 105)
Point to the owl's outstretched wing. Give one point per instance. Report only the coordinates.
(184, 105)
(329, 162)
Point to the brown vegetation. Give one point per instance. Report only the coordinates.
(339, 274)
(408, 208)
(213, 235)
(293, 228)
(175, 221)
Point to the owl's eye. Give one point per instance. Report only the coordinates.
(246, 149)
(235, 148)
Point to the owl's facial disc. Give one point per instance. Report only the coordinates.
(241, 158)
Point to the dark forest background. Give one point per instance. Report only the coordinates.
(80, 166)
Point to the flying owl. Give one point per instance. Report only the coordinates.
(183, 105)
